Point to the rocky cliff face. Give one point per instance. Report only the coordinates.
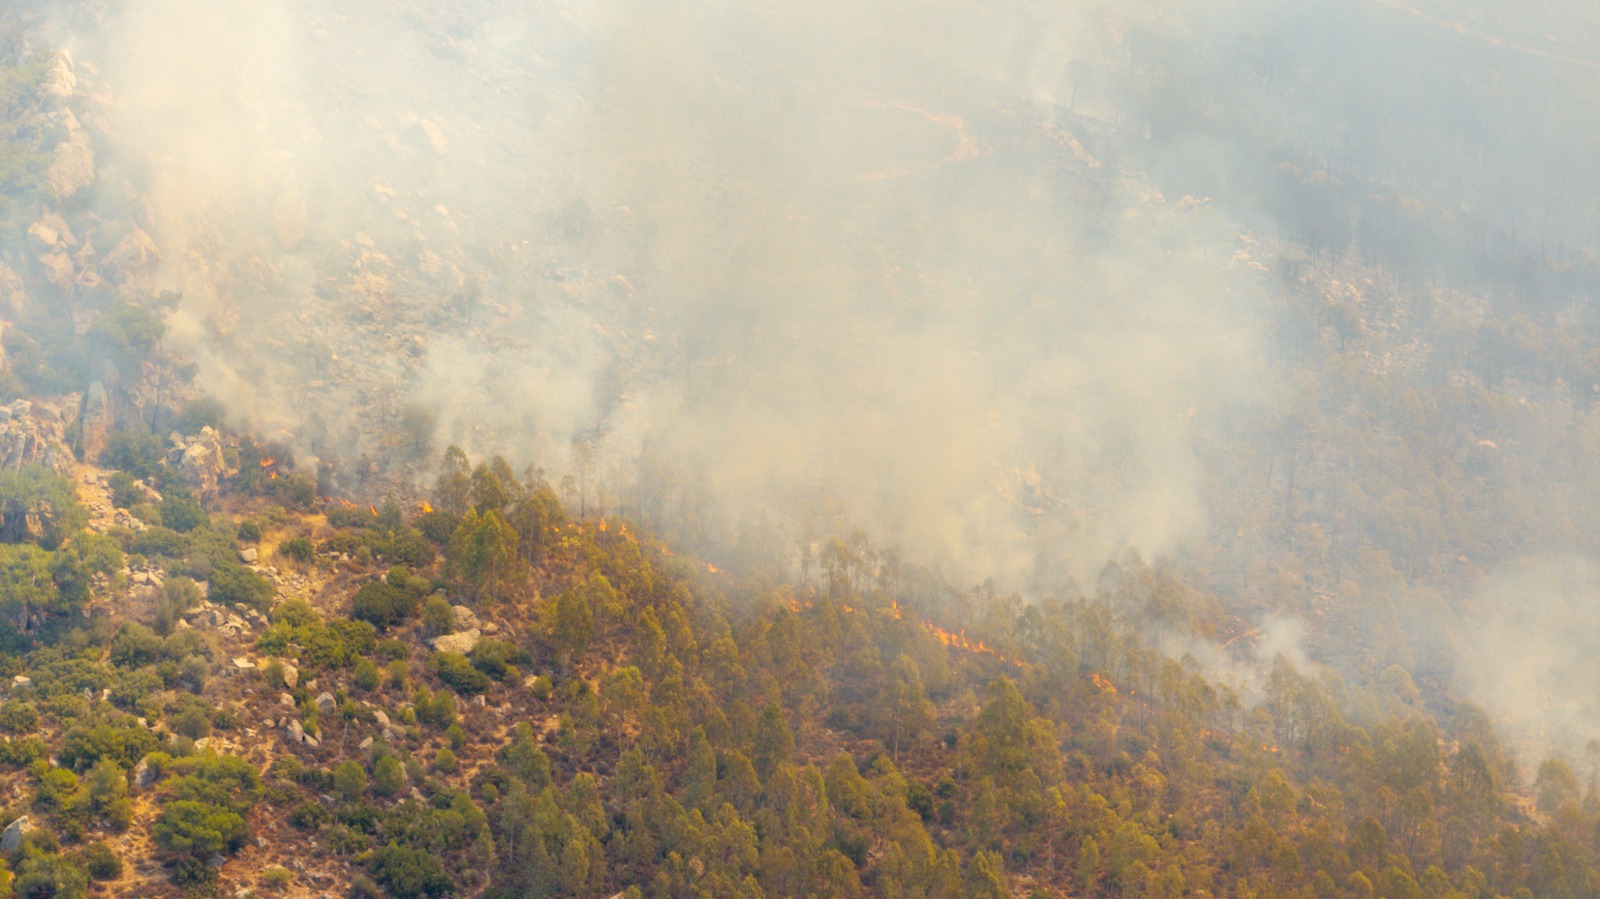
(35, 433)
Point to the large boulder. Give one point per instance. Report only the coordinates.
(11, 837)
(72, 168)
(201, 462)
(463, 642)
(132, 261)
(98, 421)
(59, 79)
(29, 436)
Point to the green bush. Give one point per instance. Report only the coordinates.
(308, 815)
(101, 862)
(409, 873)
(458, 674)
(198, 829)
(388, 777)
(444, 761)
(391, 650)
(18, 717)
(437, 616)
(299, 549)
(135, 451)
(125, 491)
(232, 582)
(181, 511)
(382, 604)
(120, 738)
(366, 675)
(349, 780)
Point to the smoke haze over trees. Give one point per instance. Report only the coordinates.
(1298, 301)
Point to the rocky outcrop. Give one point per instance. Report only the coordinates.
(34, 434)
(11, 837)
(132, 261)
(97, 421)
(200, 461)
(463, 642)
(72, 166)
(60, 80)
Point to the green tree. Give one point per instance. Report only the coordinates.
(452, 489)
(573, 626)
(482, 557)
(774, 742)
(199, 829)
(28, 592)
(38, 506)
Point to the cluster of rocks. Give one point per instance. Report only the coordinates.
(199, 461)
(147, 576)
(326, 706)
(35, 433)
(236, 622)
(468, 632)
(288, 584)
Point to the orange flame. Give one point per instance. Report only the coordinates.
(273, 476)
(602, 525)
(712, 568)
(268, 462)
(1105, 685)
(373, 510)
(427, 509)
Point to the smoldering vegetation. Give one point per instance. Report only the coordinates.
(1298, 301)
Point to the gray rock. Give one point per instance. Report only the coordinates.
(463, 642)
(326, 703)
(291, 676)
(382, 718)
(144, 776)
(249, 553)
(11, 837)
(98, 421)
(72, 169)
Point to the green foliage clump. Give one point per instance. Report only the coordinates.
(180, 510)
(125, 491)
(458, 673)
(299, 549)
(120, 738)
(231, 583)
(323, 645)
(198, 829)
(388, 777)
(18, 716)
(100, 862)
(383, 605)
(409, 873)
(366, 675)
(137, 452)
(38, 506)
(438, 617)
